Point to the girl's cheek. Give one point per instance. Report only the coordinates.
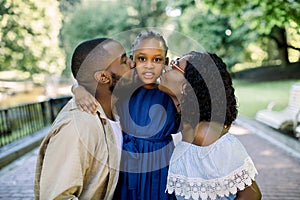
(138, 69)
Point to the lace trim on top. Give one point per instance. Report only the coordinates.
(196, 188)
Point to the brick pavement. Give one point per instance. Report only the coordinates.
(279, 170)
(16, 179)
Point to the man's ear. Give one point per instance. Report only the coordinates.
(102, 77)
(167, 61)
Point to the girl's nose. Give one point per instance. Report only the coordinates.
(149, 65)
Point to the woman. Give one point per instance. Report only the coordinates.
(209, 162)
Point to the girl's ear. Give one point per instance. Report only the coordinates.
(102, 77)
(167, 61)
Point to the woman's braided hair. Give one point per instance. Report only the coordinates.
(206, 91)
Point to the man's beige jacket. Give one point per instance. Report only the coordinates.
(79, 158)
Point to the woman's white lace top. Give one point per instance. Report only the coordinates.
(210, 172)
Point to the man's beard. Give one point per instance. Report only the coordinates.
(122, 87)
(115, 79)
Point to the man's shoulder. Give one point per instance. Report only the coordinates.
(73, 119)
(70, 112)
(77, 128)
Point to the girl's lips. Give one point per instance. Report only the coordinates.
(148, 75)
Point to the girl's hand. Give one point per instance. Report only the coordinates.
(84, 100)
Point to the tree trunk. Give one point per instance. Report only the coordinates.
(279, 35)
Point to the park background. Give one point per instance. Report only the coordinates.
(259, 41)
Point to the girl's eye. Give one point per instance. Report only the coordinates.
(157, 60)
(141, 59)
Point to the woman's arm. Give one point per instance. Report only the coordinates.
(251, 192)
(83, 99)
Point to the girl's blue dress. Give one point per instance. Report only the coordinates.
(148, 118)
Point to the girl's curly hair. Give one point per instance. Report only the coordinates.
(209, 94)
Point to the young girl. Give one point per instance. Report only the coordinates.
(148, 118)
(209, 162)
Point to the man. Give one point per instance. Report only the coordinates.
(79, 158)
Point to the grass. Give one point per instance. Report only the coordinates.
(255, 96)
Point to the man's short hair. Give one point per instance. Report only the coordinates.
(88, 58)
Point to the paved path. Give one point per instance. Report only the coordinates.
(279, 170)
(16, 180)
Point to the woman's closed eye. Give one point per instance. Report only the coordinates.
(123, 59)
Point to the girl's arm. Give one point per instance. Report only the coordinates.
(251, 192)
(83, 99)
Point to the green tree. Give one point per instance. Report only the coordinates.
(92, 19)
(66, 6)
(146, 13)
(214, 32)
(270, 19)
(29, 36)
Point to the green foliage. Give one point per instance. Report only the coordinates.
(91, 20)
(29, 31)
(214, 32)
(262, 15)
(66, 6)
(146, 13)
(183, 4)
(274, 20)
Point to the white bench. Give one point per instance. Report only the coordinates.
(287, 118)
(297, 126)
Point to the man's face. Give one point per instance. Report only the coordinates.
(119, 67)
(115, 79)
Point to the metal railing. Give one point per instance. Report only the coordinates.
(20, 121)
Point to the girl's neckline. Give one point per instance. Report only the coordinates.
(150, 86)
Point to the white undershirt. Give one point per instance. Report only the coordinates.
(116, 126)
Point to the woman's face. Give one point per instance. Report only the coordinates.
(173, 78)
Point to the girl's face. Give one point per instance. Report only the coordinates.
(150, 58)
(173, 78)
